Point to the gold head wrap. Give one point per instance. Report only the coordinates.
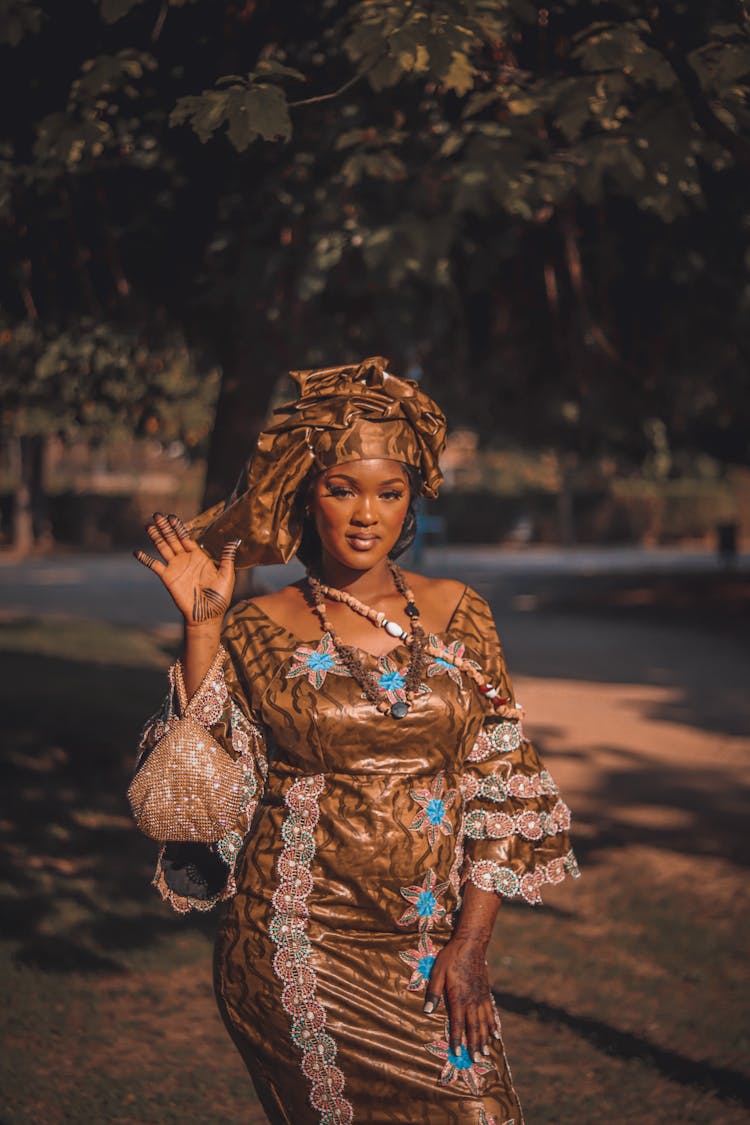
(342, 414)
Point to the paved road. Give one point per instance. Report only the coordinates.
(116, 588)
(708, 671)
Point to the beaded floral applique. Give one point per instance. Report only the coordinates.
(316, 663)
(489, 875)
(392, 681)
(425, 908)
(438, 666)
(433, 809)
(420, 961)
(292, 960)
(460, 1068)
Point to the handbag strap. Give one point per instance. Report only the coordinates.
(187, 706)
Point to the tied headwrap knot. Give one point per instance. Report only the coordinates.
(348, 413)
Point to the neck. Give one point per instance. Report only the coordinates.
(366, 585)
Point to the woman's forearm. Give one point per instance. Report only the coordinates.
(201, 643)
(478, 912)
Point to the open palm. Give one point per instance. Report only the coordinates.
(200, 589)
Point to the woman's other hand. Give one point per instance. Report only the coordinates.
(200, 589)
(459, 974)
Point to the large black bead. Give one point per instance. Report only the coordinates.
(399, 709)
(411, 610)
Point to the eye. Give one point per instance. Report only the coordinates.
(338, 490)
(393, 494)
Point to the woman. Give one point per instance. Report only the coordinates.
(391, 798)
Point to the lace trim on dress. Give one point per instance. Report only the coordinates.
(292, 964)
(489, 875)
(532, 824)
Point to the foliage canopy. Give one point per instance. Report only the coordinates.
(545, 208)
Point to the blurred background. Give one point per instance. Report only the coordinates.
(540, 212)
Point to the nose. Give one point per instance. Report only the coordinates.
(364, 512)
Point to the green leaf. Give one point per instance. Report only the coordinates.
(477, 102)
(382, 165)
(205, 112)
(460, 74)
(260, 111)
(272, 67)
(114, 10)
(18, 19)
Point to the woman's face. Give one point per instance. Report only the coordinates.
(359, 509)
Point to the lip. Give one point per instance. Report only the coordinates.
(362, 542)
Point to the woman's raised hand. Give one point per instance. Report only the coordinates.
(200, 589)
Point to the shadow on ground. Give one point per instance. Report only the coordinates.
(76, 873)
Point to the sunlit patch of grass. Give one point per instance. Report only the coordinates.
(84, 641)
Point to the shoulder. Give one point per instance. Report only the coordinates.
(437, 597)
(262, 616)
(280, 602)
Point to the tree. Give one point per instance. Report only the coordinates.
(539, 206)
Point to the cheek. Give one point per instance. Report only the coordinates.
(398, 513)
(330, 516)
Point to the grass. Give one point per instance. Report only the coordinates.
(622, 1000)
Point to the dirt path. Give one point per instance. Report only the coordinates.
(623, 1000)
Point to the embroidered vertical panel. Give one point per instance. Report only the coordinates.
(292, 960)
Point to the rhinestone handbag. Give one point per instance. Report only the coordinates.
(189, 787)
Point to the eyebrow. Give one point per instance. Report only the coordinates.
(352, 480)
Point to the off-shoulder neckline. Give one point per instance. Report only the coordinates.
(300, 643)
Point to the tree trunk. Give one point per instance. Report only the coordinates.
(565, 510)
(249, 375)
(30, 510)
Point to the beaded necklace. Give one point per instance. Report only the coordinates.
(416, 641)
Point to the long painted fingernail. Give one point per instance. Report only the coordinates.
(496, 1034)
(429, 1007)
(477, 1056)
(486, 1049)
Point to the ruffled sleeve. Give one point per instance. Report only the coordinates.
(195, 876)
(515, 821)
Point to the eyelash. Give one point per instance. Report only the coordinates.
(340, 492)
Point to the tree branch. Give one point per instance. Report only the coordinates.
(360, 74)
(712, 125)
(156, 32)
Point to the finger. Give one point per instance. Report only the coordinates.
(159, 542)
(431, 1001)
(152, 564)
(457, 1022)
(183, 534)
(435, 986)
(228, 555)
(484, 1029)
(487, 1022)
(167, 532)
(473, 1040)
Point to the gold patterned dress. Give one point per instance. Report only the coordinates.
(343, 876)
